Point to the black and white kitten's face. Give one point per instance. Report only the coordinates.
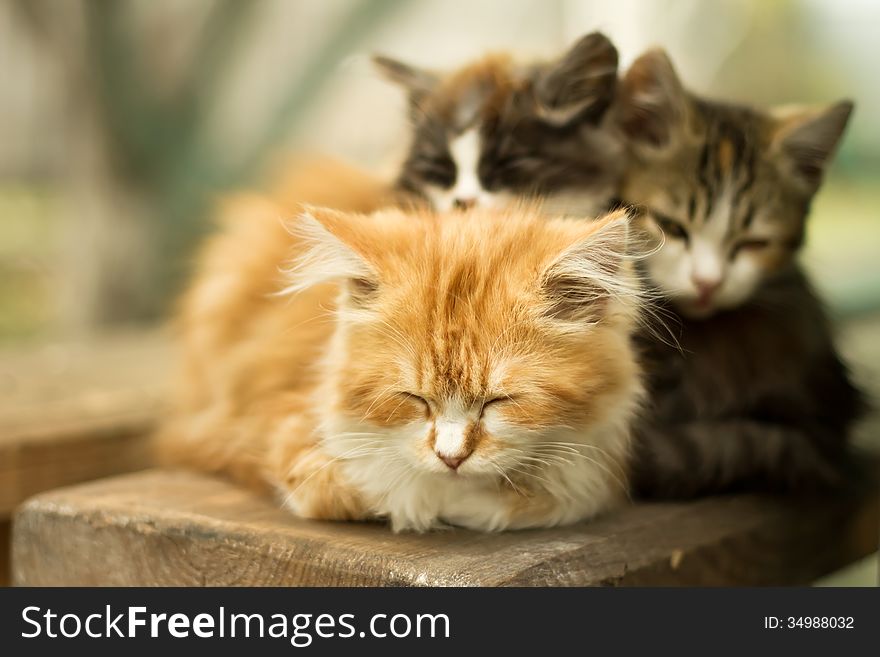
(727, 186)
(495, 131)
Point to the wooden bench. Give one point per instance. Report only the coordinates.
(75, 411)
(179, 528)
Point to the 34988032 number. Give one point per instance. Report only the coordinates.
(820, 622)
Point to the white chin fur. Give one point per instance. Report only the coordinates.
(398, 485)
(671, 270)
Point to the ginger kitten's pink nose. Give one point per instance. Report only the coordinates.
(452, 461)
(464, 203)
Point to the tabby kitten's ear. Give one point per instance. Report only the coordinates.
(805, 140)
(579, 84)
(417, 82)
(331, 251)
(588, 274)
(652, 102)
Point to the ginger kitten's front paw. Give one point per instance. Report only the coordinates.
(315, 488)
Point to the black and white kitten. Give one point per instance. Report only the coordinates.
(497, 130)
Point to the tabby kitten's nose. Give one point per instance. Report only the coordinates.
(452, 461)
(705, 287)
(464, 203)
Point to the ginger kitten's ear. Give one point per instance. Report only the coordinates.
(588, 274)
(805, 140)
(417, 82)
(652, 102)
(580, 83)
(330, 253)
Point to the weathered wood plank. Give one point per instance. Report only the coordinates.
(72, 412)
(177, 528)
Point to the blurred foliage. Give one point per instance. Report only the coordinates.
(162, 165)
(157, 148)
(27, 260)
(843, 238)
(158, 137)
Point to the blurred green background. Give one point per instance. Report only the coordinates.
(120, 120)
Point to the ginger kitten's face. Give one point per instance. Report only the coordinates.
(728, 187)
(469, 343)
(494, 131)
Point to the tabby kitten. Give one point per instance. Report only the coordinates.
(473, 369)
(757, 394)
(497, 130)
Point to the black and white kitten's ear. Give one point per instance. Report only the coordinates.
(592, 272)
(651, 101)
(330, 251)
(805, 140)
(580, 84)
(417, 82)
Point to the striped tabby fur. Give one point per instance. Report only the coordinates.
(755, 395)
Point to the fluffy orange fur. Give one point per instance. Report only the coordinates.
(229, 322)
(472, 369)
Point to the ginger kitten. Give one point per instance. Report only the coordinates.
(497, 130)
(473, 369)
(757, 395)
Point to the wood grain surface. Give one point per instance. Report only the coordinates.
(178, 528)
(76, 411)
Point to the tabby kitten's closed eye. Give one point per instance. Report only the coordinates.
(497, 130)
(756, 395)
(728, 186)
(474, 369)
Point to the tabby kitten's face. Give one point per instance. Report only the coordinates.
(727, 186)
(468, 343)
(495, 130)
